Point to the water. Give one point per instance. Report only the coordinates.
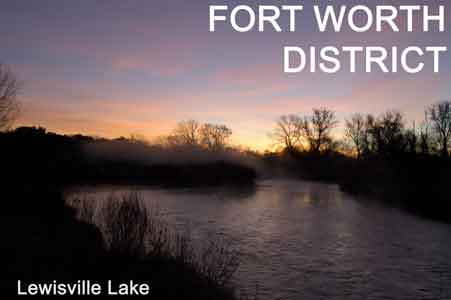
(303, 240)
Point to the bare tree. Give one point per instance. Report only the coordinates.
(214, 137)
(288, 132)
(425, 136)
(9, 88)
(187, 132)
(317, 129)
(411, 139)
(357, 132)
(440, 117)
(387, 133)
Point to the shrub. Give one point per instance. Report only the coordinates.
(130, 229)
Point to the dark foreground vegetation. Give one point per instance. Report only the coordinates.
(45, 239)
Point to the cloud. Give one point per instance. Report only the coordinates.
(157, 66)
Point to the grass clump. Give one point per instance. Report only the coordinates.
(132, 230)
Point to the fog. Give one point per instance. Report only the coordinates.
(157, 154)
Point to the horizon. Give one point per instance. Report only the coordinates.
(226, 149)
(111, 69)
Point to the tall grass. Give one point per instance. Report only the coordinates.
(132, 229)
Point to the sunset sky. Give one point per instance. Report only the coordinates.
(115, 67)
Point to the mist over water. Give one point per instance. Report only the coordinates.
(303, 240)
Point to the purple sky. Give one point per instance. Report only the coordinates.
(111, 68)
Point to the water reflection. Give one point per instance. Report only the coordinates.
(302, 240)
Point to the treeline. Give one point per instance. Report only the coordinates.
(212, 137)
(367, 135)
(39, 155)
(379, 156)
(35, 154)
(39, 165)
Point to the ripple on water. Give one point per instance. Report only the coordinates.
(303, 240)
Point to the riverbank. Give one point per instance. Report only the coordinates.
(72, 160)
(46, 241)
(413, 182)
(309, 240)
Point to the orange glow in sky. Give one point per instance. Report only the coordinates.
(118, 68)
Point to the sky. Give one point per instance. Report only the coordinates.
(114, 68)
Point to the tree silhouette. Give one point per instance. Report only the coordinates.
(288, 132)
(387, 133)
(214, 137)
(411, 139)
(356, 130)
(317, 129)
(440, 117)
(187, 132)
(425, 136)
(9, 88)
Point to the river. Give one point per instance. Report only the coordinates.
(304, 240)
